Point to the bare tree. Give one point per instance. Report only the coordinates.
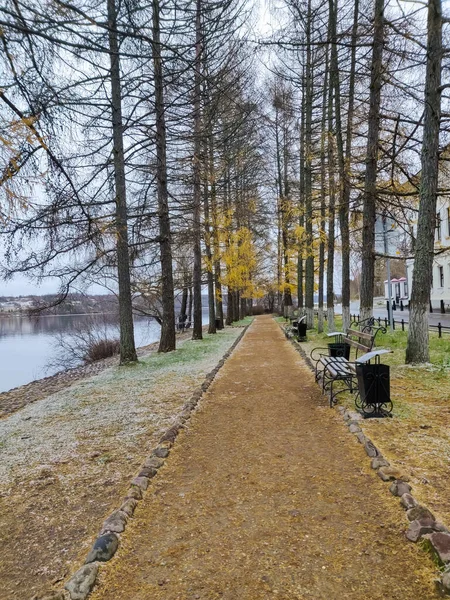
(167, 339)
(417, 350)
(370, 189)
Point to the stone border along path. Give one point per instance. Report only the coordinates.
(265, 495)
(105, 546)
(423, 526)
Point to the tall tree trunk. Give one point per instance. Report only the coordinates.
(279, 257)
(301, 202)
(370, 182)
(309, 266)
(184, 298)
(331, 173)
(230, 305)
(417, 350)
(345, 201)
(209, 257)
(285, 220)
(335, 84)
(243, 308)
(219, 293)
(197, 276)
(236, 302)
(280, 218)
(190, 302)
(331, 214)
(215, 235)
(227, 205)
(167, 340)
(323, 177)
(127, 344)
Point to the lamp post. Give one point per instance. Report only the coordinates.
(388, 269)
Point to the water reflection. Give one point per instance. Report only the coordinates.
(27, 345)
(19, 326)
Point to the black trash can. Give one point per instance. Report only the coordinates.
(301, 328)
(339, 349)
(374, 389)
(219, 324)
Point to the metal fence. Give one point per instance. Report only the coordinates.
(401, 324)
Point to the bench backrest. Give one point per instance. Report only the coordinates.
(360, 340)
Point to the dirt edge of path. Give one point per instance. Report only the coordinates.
(80, 584)
(423, 528)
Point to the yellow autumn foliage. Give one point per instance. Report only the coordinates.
(240, 262)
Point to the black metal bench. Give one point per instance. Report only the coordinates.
(336, 368)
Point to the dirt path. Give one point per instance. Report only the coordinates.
(267, 495)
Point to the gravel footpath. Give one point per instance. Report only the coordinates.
(264, 495)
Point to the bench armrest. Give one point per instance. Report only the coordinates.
(320, 353)
(370, 355)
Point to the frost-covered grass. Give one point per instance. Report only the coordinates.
(243, 322)
(115, 408)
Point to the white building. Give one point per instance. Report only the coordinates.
(440, 291)
(400, 290)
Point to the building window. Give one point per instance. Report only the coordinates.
(441, 276)
(438, 227)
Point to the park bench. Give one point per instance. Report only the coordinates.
(339, 367)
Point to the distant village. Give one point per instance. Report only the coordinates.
(47, 305)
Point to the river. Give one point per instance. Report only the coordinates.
(29, 346)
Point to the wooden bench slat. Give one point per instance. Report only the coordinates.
(357, 345)
(360, 334)
(338, 366)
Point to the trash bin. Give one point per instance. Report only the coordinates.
(374, 389)
(301, 328)
(219, 324)
(339, 349)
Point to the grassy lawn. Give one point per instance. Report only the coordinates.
(243, 322)
(417, 438)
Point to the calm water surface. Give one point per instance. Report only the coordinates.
(27, 346)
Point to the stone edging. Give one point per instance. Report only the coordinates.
(423, 527)
(79, 586)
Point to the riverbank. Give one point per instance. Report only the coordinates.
(67, 459)
(21, 396)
